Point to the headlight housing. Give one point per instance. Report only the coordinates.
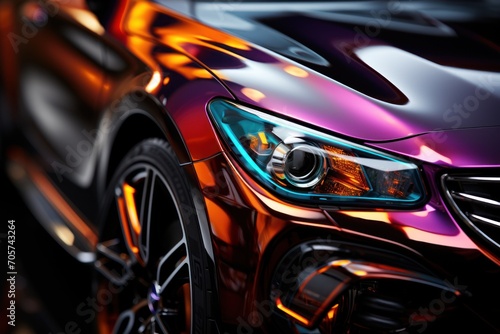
(302, 164)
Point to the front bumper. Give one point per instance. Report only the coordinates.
(402, 270)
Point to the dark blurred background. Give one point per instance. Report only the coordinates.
(50, 284)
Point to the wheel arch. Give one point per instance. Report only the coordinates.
(147, 120)
(132, 124)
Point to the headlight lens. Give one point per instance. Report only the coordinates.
(302, 164)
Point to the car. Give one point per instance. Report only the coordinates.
(262, 167)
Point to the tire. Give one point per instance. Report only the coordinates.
(153, 274)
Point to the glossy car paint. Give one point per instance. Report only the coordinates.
(410, 89)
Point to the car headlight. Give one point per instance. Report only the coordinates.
(302, 164)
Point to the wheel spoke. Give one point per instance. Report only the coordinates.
(155, 325)
(145, 214)
(130, 321)
(173, 268)
(177, 277)
(113, 265)
(160, 325)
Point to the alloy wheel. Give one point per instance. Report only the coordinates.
(143, 256)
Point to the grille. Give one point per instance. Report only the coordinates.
(476, 200)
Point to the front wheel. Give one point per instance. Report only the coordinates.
(152, 265)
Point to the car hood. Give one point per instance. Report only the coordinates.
(376, 72)
(451, 148)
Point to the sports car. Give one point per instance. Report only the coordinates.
(262, 167)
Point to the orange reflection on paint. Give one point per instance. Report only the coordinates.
(91, 75)
(222, 226)
(296, 71)
(181, 34)
(204, 172)
(428, 154)
(126, 229)
(129, 192)
(154, 82)
(332, 312)
(376, 216)
(53, 195)
(340, 263)
(174, 59)
(184, 66)
(291, 313)
(139, 18)
(360, 273)
(253, 94)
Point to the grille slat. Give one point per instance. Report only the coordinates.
(473, 179)
(475, 199)
(485, 220)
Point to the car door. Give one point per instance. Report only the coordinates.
(59, 55)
